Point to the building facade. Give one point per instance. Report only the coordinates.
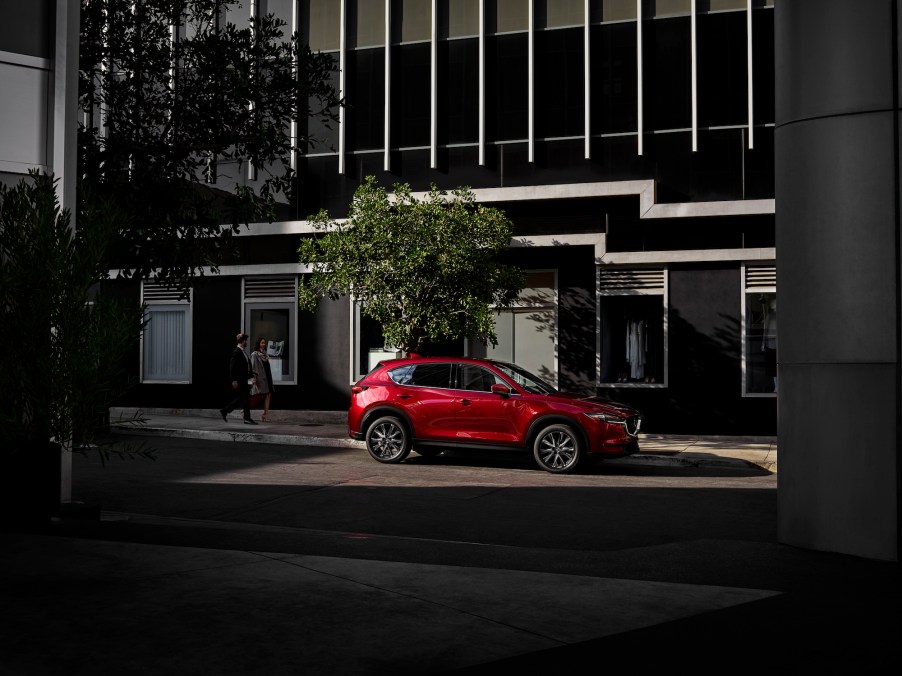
(631, 142)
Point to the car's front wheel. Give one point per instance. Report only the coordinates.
(387, 440)
(557, 449)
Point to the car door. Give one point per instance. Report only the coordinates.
(484, 417)
(425, 394)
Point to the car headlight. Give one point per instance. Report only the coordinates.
(606, 417)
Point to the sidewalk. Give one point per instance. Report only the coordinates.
(329, 429)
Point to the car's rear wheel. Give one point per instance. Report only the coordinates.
(557, 449)
(387, 440)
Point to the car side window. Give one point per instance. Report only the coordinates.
(431, 375)
(401, 375)
(476, 378)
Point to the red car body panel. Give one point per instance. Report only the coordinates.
(453, 416)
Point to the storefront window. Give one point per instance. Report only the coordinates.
(166, 339)
(761, 343)
(269, 312)
(632, 313)
(759, 350)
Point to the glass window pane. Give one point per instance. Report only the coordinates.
(411, 20)
(722, 69)
(507, 87)
(612, 10)
(26, 27)
(614, 78)
(720, 5)
(366, 23)
(274, 324)
(432, 375)
(660, 8)
(534, 349)
(511, 15)
(411, 76)
(458, 18)
(667, 74)
(458, 97)
(761, 342)
(560, 85)
(166, 344)
(366, 99)
(632, 339)
(561, 13)
(320, 24)
(476, 378)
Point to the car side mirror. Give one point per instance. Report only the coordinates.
(503, 390)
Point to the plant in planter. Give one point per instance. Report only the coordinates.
(426, 269)
(66, 339)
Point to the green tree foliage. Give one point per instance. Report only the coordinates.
(66, 336)
(426, 270)
(178, 94)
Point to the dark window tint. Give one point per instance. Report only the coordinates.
(366, 99)
(763, 65)
(324, 134)
(458, 91)
(507, 87)
(403, 375)
(26, 27)
(431, 375)
(667, 73)
(475, 378)
(614, 78)
(560, 85)
(411, 82)
(722, 69)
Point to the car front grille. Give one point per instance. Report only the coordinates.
(633, 423)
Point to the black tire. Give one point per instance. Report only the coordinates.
(557, 449)
(387, 440)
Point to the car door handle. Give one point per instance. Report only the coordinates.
(465, 402)
(403, 396)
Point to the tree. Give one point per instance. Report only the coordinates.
(67, 337)
(178, 100)
(426, 270)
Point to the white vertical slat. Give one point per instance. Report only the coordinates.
(532, 92)
(433, 97)
(386, 156)
(750, 78)
(294, 121)
(694, 51)
(586, 85)
(481, 83)
(639, 102)
(342, 67)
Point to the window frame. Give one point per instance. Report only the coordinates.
(187, 306)
(274, 302)
(744, 323)
(664, 293)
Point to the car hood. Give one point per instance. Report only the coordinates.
(596, 404)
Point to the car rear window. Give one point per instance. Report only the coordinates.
(422, 375)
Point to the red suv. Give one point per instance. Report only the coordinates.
(435, 403)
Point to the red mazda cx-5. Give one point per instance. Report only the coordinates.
(430, 404)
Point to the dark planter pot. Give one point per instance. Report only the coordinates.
(31, 485)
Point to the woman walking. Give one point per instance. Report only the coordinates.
(262, 375)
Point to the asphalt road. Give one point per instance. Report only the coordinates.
(707, 527)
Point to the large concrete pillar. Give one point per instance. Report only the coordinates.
(838, 275)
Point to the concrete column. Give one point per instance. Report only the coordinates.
(838, 275)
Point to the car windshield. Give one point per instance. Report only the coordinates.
(529, 382)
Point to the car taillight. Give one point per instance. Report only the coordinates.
(357, 389)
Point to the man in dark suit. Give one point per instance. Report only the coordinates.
(240, 373)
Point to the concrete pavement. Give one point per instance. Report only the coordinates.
(329, 429)
(139, 594)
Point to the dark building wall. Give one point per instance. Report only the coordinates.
(704, 389)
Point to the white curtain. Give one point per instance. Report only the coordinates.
(166, 344)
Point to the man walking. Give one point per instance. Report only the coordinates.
(241, 374)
